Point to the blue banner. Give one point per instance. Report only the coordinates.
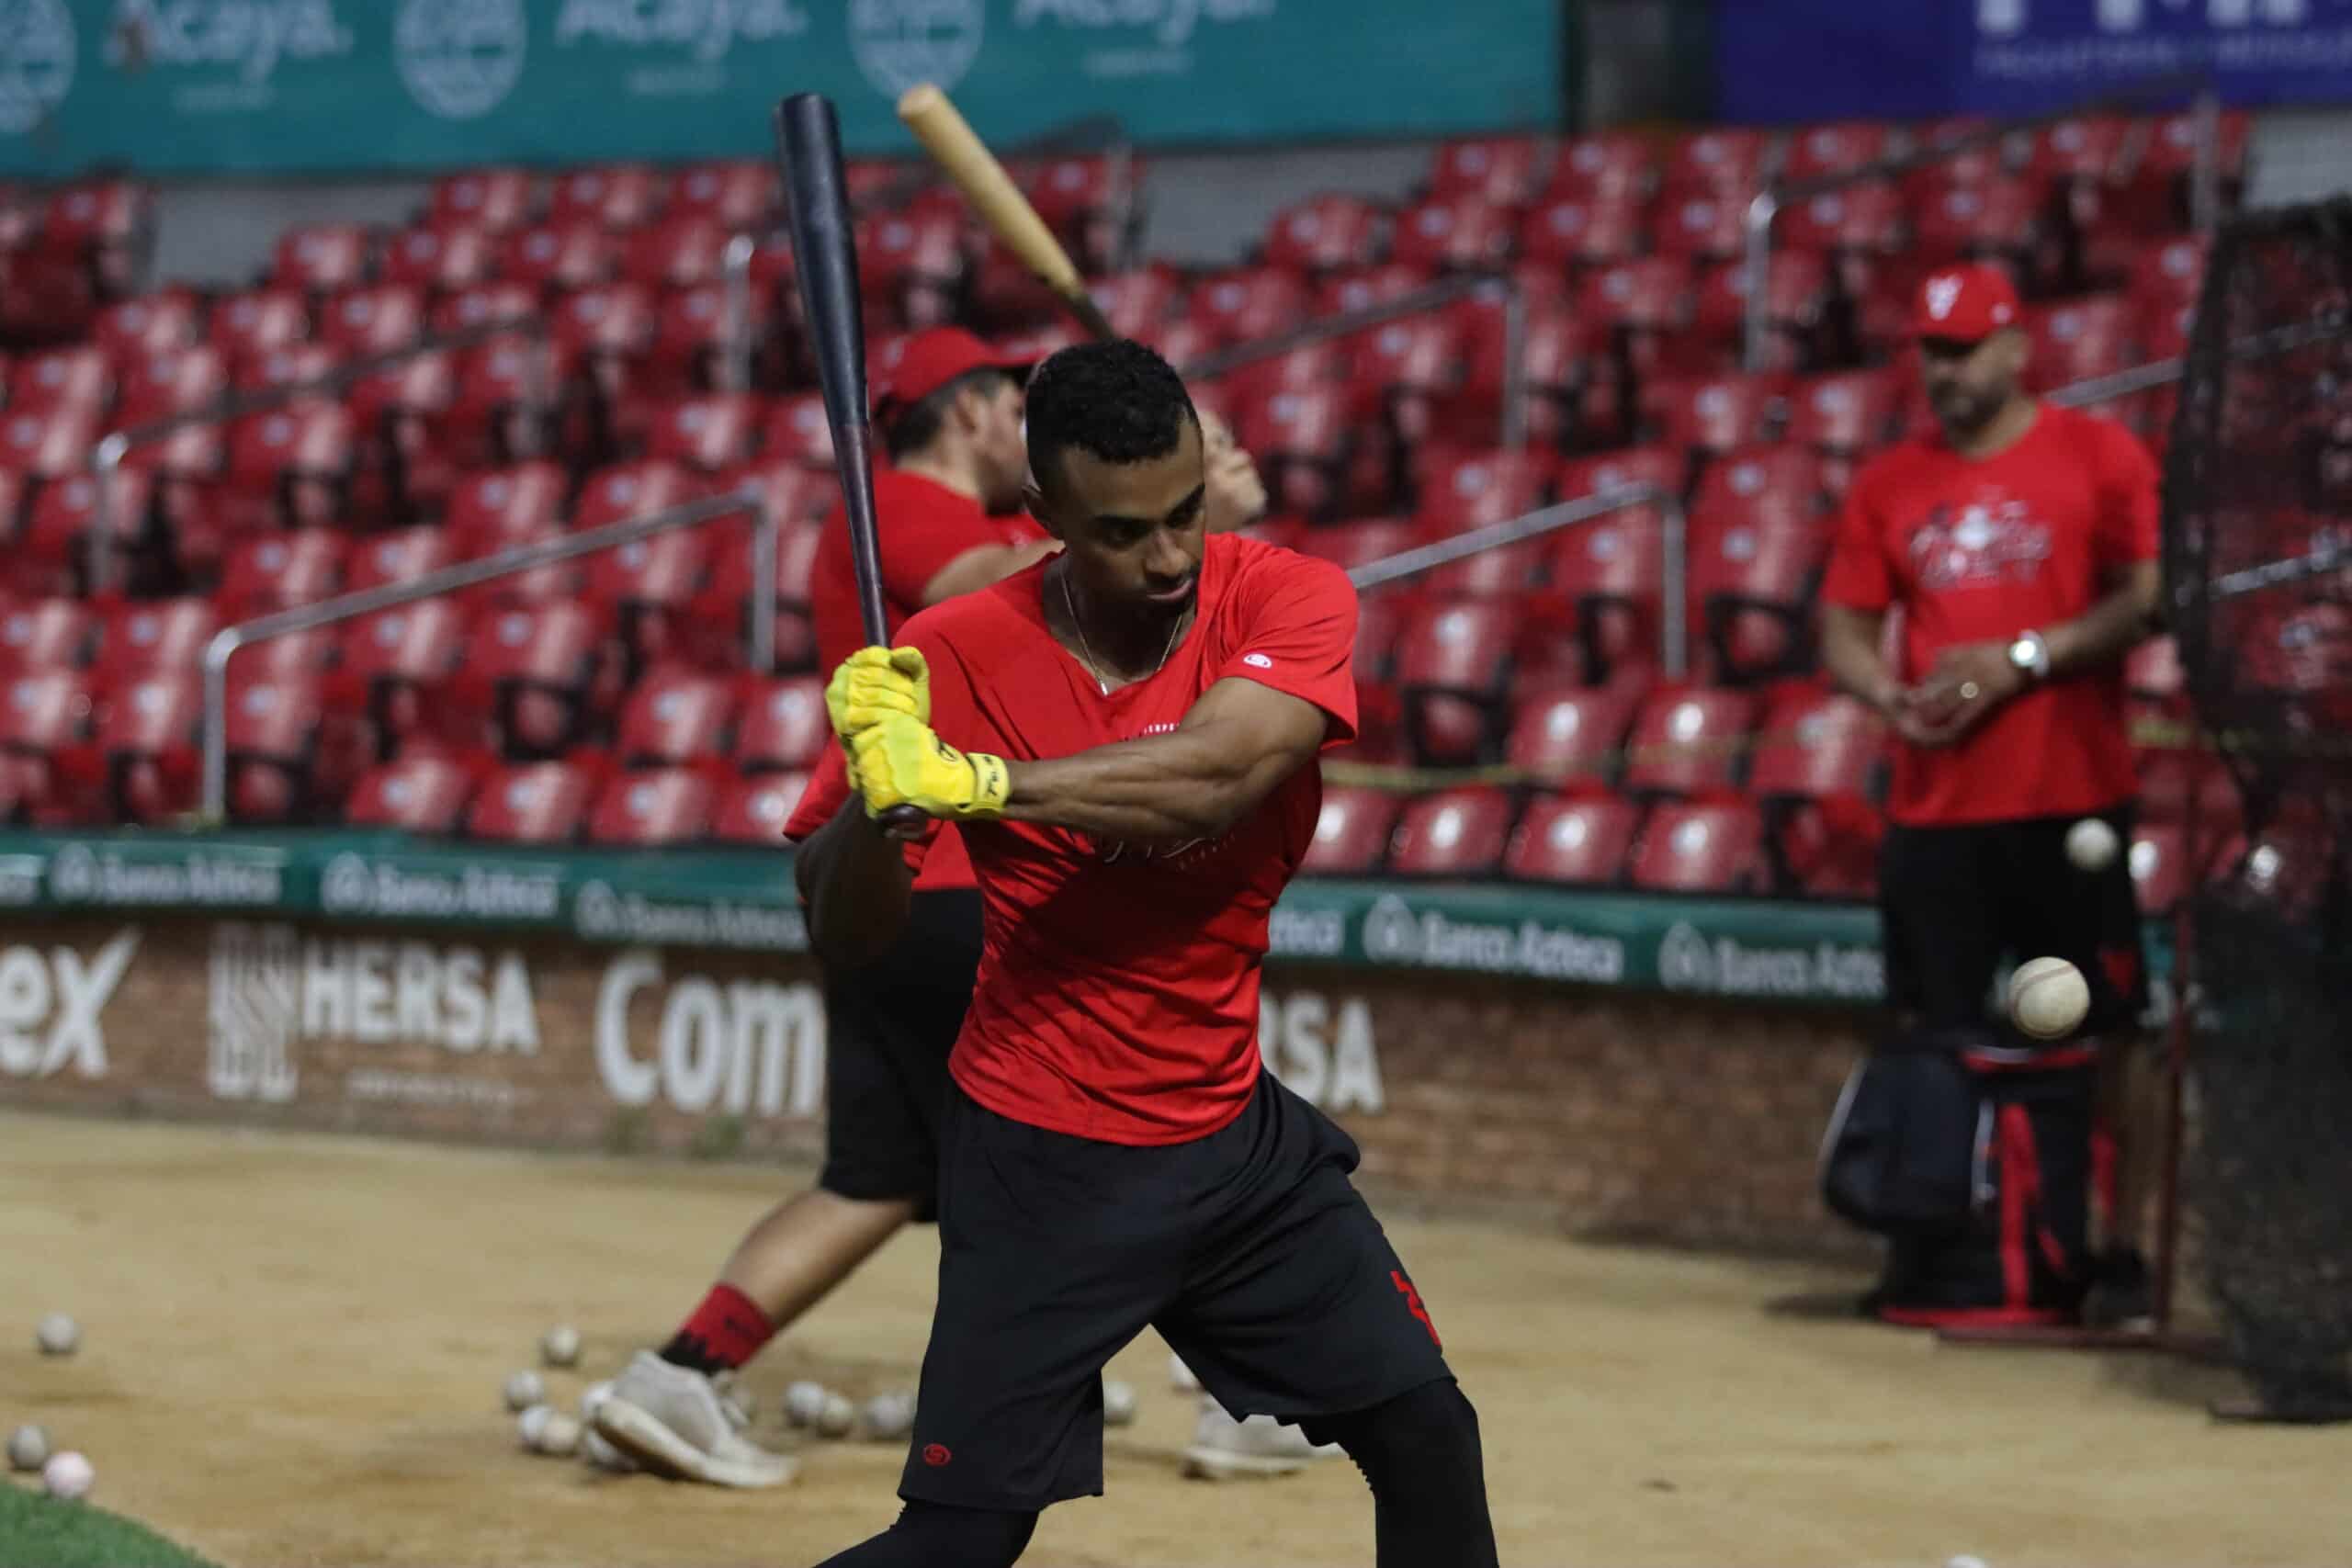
(1826, 60)
(308, 87)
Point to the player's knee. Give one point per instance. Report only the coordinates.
(1428, 1434)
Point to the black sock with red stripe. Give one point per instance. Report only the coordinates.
(722, 1334)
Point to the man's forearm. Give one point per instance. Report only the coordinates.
(1185, 785)
(2102, 634)
(857, 882)
(1850, 647)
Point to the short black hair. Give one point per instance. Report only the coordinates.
(907, 430)
(1115, 399)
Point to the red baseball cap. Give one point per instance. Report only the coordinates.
(1966, 304)
(911, 368)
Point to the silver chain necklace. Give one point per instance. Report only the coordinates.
(1093, 666)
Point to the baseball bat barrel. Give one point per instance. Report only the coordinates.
(824, 251)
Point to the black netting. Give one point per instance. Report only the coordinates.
(2258, 562)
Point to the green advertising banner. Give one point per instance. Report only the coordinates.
(1749, 948)
(311, 86)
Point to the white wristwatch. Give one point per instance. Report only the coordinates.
(2030, 655)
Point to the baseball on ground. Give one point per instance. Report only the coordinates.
(525, 1389)
(560, 1346)
(67, 1476)
(1118, 1402)
(559, 1436)
(58, 1334)
(531, 1422)
(27, 1448)
(594, 1394)
(836, 1416)
(2091, 844)
(2048, 997)
(803, 1403)
(890, 1417)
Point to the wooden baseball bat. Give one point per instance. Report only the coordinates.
(966, 160)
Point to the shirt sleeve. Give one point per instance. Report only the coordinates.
(2130, 509)
(1858, 577)
(1298, 636)
(920, 541)
(826, 793)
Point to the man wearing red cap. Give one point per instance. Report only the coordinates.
(2019, 542)
(948, 408)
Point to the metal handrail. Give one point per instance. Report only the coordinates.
(107, 455)
(225, 643)
(1756, 264)
(1673, 540)
(1420, 301)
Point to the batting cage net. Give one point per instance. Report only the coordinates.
(2259, 563)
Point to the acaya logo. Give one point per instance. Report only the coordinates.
(744, 1046)
(458, 59)
(707, 29)
(53, 1007)
(1171, 21)
(252, 35)
(36, 47)
(1326, 1059)
(898, 43)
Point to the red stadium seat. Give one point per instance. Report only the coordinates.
(692, 337)
(421, 795)
(1249, 302)
(1719, 158)
(495, 199)
(48, 445)
(755, 811)
(649, 583)
(737, 194)
(52, 551)
(530, 668)
(45, 716)
(1327, 232)
(2171, 274)
(631, 490)
(1661, 467)
(1572, 737)
(1760, 485)
(1351, 833)
(1454, 833)
(794, 428)
(1303, 439)
(1572, 840)
(601, 333)
(273, 571)
(1453, 662)
(2088, 147)
(1559, 350)
(1398, 368)
(675, 716)
(2153, 670)
(677, 252)
(243, 326)
(1311, 365)
(1139, 301)
(287, 464)
(1999, 217)
(394, 661)
(1825, 849)
(149, 731)
(2171, 151)
(1703, 222)
(783, 726)
(281, 761)
(75, 377)
(495, 508)
(485, 304)
(1867, 219)
(718, 634)
(165, 321)
(2074, 340)
(178, 382)
(1623, 163)
(320, 258)
(1838, 148)
(560, 255)
(149, 634)
(1712, 413)
(662, 805)
(1796, 292)
(1498, 169)
(1459, 233)
(1750, 586)
(292, 365)
(1483, 487)
(1505, 570)
(1351, 545)
(1689, 740)
(1650, 293)
(1360, 288)
(382, 319)
(1701, 848)
(1847, 411)
(400, 555)
(1571, 230)
(707, 433)
(1816, 744)
(617, 195)
(45, 634)
(444, 259)
(537, 803)
(912, 262)
(1611, 573)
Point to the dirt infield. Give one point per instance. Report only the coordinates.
(293, 1348)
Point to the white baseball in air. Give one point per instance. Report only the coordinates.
(525, 1389)
(2092, 845)
(67, 1476)
(27, 1448)
(58, 1334)
(2048, 997)
(560, 1346)
(836, 1416)
(803, 1403)
(1118, 1402)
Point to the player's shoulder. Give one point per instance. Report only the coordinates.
(1256, 567)
(2109, 443)
(1895, 466)
(987, 619)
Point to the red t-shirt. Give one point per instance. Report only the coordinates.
(1118, 985)
(1978, 551)
(922, 527)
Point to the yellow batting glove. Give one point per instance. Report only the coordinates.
(874, 684)
(900, 761)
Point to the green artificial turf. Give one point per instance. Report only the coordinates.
(38, 1531)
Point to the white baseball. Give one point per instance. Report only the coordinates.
(67, 1476)
(2092, 845)
(531, 1422)
(560, 1346)
(27, 1448)
(803, 1403)
(559, 1436)
(890, 1417)
(525, 1389)
(2048, 997)
(1118, 1402)
(58, 1334)
(1180, 1376)
(592, 1396)
(836, 1416)
(1964, 1561)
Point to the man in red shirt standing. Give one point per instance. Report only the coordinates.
(949, 505)
(2019, 542)
(1150, 704)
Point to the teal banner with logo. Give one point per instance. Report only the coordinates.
(317, 86)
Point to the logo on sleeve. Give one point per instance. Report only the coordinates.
(1257, 662)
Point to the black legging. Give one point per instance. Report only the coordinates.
(1419, 1452)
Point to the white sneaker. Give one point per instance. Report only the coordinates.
(1180, 1376)
(672, 1421)
(1226, 1450)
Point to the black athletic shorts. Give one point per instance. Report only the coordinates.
(1954, 901)
(888, 1028)
(1249, 1250)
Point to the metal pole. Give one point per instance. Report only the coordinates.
(105, 463)
(1514, 415)
(448, 580)
(1429, 297)
(1509, 531)
(735, 357)
(2205, 171)
(1673, 635)
(765, 527)
(1756, 271)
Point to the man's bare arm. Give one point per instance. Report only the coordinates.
(1850, 640)
(1236, 744)
(2111, 628)
(981, 565)
(855, 881)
